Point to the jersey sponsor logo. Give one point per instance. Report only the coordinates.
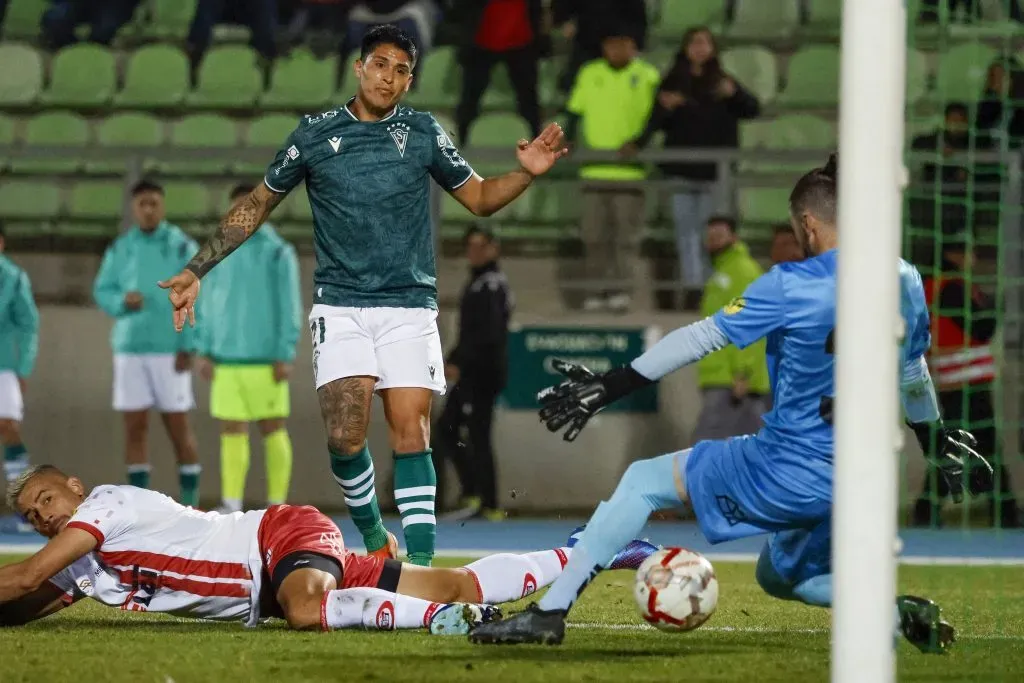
(386, 616)
(293, 152)
(529, 585)
(335, 143)
(400, 134)
(85, 585)
(321, 117)
(735, 306)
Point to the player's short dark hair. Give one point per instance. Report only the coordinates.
(387, 34)
(956, 108)
(484, 231)
(241, 189)
(147, 186)
(816, 192)
(727, 221)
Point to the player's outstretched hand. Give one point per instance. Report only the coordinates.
(184, 290)
(538, 156)
(958, 460)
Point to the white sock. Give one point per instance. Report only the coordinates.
(375, 609)
(506, 577)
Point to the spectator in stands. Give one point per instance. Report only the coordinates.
(321, 23)
(785, 246)
(1001, 109)
(259, 15)
(476, 371)
(733, 383)
(499, 31)
(585, 22)
(971, 10)
(418, 18)
(105, 18)
(608, 106)
(698, 105)
(152, 362)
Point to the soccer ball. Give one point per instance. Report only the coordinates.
(676, 589)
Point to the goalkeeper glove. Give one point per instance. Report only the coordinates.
(955, 456)
(583, 395)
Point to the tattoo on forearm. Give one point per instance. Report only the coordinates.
(236, 227)
(345, 406)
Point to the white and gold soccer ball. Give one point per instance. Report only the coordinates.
(676, 589)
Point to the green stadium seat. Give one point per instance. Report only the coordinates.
(662, 58)
(679, 15)
(54, 129)
(813, 78)
(97, 200)
(126, 130)
(438, 80)
(454, 213)
(755, 69)
(764, 18)
(21, 77)
(202, 131)
(547, 82)
(81, 75)
(301, 81)
(917, 75)
(764, 204)
(156, 77)
(501, 129)
(499, 94)
(962, 71)
(29, 199)
(228, 77)
(171, 18)
(296, 206)
(553, 203)
(794, 131)
(8, 130)
(22, 19)
(826, 13)
(267, 132)
(187, 203)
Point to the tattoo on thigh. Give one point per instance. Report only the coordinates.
(345, 404)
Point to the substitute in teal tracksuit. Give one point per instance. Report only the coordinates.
(248, 323)
(19, 341)
(152, 363)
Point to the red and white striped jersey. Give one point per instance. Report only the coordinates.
(155, 555)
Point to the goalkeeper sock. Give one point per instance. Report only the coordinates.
(278, 447)
(234, 466)
(188, 481)
(647, 485)
(138, 475)
(15, 461)
(815, 591)
(373, 608)
(505, 577)
(354, 474)
(415, 487)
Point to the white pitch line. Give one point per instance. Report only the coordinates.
(766, 631)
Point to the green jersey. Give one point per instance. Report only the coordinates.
(368, 184)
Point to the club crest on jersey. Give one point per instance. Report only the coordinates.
(400, 134)
(735, 306)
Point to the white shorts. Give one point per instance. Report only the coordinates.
(11, 405)
(144, 381)
(399, 346)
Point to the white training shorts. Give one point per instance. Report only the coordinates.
(399, 346)
(145, 381)
(11, 405)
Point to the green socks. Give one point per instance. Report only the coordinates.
(234, 466)
(15, 461)
(278, 447)
(354, 474)
(138, 475)
(188, 481)
(415, 487)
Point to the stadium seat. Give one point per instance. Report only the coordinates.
(22, 19)
(171, 18)
(754, 68)
(29, 199)
(547, 82)
(917, 75)
(54, 129)
(267, 132)
(502, 129)
(962, 71)
(187, 203)
(439, 80)
(813, 78)
(82, 75)
(157, 77)
(662, 58)
(202, 131)
(97, 200)
(826, 13)
(21, 77)
(296, 207)
(228, 77)
(679, 15)
(7, 130)
(764, 18)
(764, 204)
(794, 131)
(499, 94)
(126, 130)
(301, 81)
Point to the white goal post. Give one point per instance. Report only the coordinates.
(871, 111)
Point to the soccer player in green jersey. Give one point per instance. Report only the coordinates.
(367, 167)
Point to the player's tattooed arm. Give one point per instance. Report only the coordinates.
(235, 228)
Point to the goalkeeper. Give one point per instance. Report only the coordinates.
(778, 481)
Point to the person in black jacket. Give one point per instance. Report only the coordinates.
(476, 369)
(698, 105)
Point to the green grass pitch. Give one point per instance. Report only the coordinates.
(751, 638)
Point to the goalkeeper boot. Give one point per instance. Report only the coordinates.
(630, 557)
(460, 618)
(922, 624)
(533, 625)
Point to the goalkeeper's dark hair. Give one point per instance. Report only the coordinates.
(387, 34)
(147, 186)
(816, 192)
